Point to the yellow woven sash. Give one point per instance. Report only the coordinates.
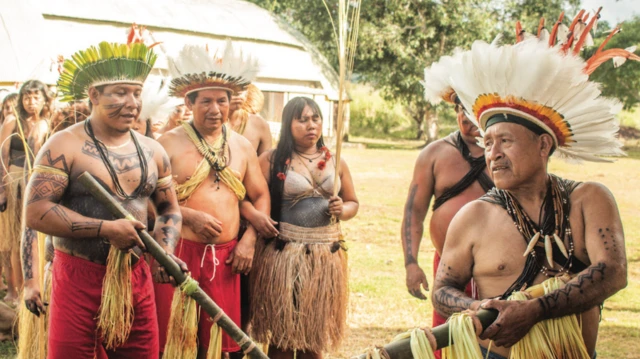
(186, 189)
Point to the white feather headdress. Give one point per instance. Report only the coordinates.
(542, 83)
(436, 82)
(533, 84)
(195, 69)
(157, 105)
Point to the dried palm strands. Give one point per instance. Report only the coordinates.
(182, 332)
(463, 334)
(215, 342)
(115, 315)
(552, 338)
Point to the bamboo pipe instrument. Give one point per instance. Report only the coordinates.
(402, 349)
(205, 302)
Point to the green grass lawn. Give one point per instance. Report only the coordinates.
(380, 305)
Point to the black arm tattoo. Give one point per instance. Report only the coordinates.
(58, 160)
(28, 239)
(450, 297)
(408, 213)
(92, 227)
(47, 186)
(175, 218)
(171, 236)
(566, 301)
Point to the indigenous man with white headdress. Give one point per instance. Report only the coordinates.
(532, 100)
(102, 296)
(214, 168)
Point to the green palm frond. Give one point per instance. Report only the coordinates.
(107, 63)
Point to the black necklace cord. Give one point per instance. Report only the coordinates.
(104, 155)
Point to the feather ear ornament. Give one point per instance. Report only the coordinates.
(194, 69)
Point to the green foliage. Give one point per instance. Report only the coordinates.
(374, 117)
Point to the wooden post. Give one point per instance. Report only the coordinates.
(205, 302)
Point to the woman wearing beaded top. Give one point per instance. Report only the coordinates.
(299, 280)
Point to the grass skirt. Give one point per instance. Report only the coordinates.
(10, 220)
(299, 290)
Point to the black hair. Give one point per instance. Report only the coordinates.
(192, 97)
(31, 86)
(286, 146)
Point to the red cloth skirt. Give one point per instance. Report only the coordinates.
(224, 289)
(75, 299)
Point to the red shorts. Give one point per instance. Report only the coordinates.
(437, 318)
(75, 299)
(224, 289)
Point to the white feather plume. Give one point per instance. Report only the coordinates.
(196, 67)
(157, 105)
(540, 75)
(436, 78)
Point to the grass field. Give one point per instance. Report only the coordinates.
(380, 305)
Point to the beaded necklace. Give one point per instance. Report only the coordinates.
(554, 226)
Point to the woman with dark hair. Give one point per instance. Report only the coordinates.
(8, 108)
(299, 280)
(21, 136)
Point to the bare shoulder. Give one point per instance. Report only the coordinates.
(243, 144)
(590, 191)
(69, 137)
(471, 214)
(172, 138)
(434, 150)
(9, 123)
(592, 196)
(257, 121)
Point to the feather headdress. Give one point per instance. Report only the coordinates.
(157, 105)
(436, 82)
(542, 83)
(539, 87)
(195, 69)
(108, 63)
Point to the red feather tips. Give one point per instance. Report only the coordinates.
(281, 176)
(554, 32)
(136, 35)
(519, 32)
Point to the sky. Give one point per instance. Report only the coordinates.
(614, 11)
